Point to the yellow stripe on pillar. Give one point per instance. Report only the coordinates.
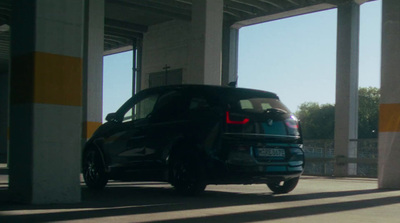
(389, 118)
(89, 128)
(58, 79)
(54, 79)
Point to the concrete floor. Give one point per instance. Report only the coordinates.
(316, 199)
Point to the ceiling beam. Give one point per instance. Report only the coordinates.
(122, 33)
(240, 7)
(178, 5)
(155, 9)
(125, 25)
(293, 2)
(253, 3)
(273, 3)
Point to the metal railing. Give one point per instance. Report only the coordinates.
(320, 158)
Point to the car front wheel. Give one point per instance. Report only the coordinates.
(283, 187)
(93, 170)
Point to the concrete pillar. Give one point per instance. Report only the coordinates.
(4, 114)
(389, 118)
(4, 98)
(46, 101)
(134, 67)
(230, 48)
(346, 109)
(93, 67)
(206, 42)
(139, 65)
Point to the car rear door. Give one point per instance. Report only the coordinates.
(167, 122)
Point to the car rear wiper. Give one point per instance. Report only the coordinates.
(275, 110)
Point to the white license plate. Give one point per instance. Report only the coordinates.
(270, 152)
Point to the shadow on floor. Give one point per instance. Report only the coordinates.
(121, 199)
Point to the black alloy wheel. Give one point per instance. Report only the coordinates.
(93, 170)
(283, 187)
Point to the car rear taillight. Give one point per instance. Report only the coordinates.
(293, 124)
(239, 121)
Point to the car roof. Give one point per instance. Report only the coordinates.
(223, 91)
(211, 88)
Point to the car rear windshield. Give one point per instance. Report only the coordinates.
(257, 105)
(254, 102)
(258, 113)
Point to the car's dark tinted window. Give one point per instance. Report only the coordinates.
(199, 103)
(141, 109)
(170, 106)
(203, 104)
(256, 105)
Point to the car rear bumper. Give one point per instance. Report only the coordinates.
(253, 174)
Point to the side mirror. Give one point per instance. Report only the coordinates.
(112, 117)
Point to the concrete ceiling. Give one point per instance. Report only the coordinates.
(126, 20)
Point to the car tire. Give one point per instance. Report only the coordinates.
(187, 176)
(93, 170)
(286, 187)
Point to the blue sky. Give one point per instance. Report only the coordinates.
(293, 57)
(117, 81)
(296, 57)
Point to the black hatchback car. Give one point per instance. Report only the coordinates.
(194, 135)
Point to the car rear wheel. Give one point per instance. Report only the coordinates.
(93, 170)
(187, 176)
(283, 187)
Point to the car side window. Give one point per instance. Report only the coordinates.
(198, 103)
(141, 109)
(201, 106)
(170, 106)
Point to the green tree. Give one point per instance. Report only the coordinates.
(368, 112)
(318, 121)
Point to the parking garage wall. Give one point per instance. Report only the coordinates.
(164, 45)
